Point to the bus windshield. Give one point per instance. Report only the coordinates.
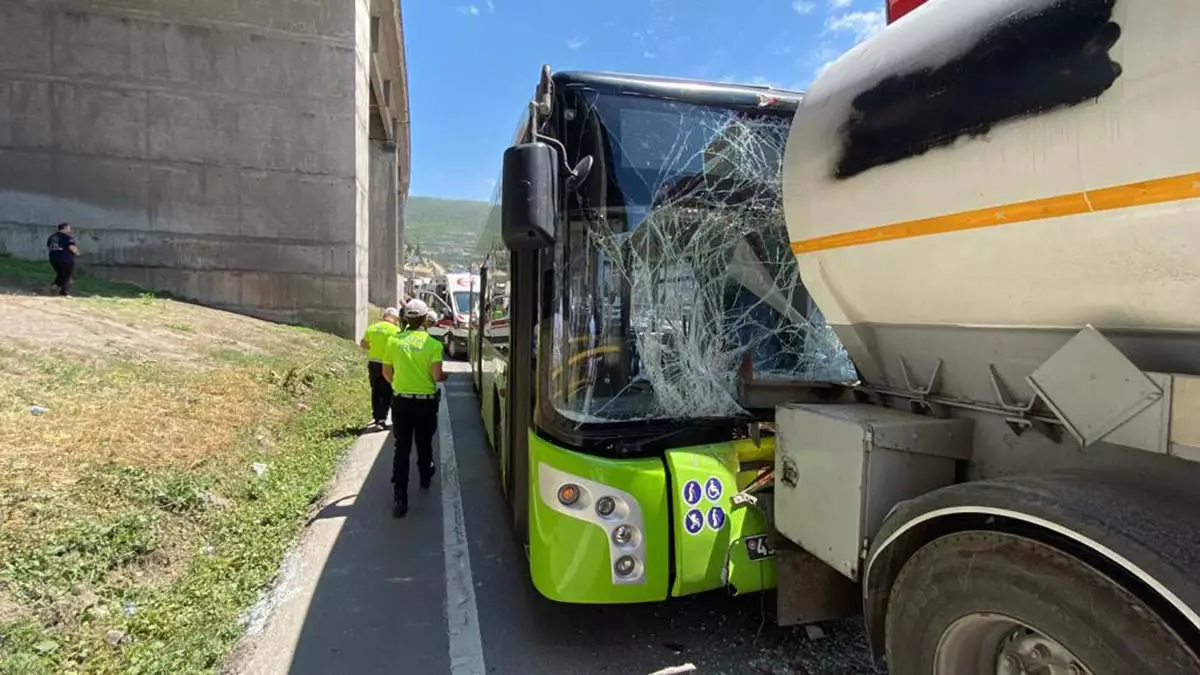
(675, 278)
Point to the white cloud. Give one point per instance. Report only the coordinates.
(840, 4)
(861, 25)
(649, 55)
(822, 68)
(824, 55)
(576, 43)
(491, 6)
(469, 10)
(804, 6)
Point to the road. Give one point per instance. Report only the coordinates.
(366, 593)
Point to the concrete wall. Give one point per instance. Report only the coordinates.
(216, 149)
(384, 237)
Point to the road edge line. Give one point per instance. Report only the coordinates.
(462, 613)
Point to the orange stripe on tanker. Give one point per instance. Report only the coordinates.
(1157, 191)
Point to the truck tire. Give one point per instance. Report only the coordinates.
(976, 603)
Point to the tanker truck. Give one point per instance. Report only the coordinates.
(993, 208)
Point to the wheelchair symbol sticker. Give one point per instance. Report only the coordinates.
(693, 522)
(691, 492)
(713, 488)
(716, 518)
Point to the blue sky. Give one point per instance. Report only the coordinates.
(472, 64)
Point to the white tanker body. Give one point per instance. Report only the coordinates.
(996, 203)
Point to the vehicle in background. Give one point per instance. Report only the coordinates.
(452, 297)
(968, 407)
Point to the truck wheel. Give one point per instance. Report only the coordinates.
(976, 603)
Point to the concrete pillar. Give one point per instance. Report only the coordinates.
(217, 150)
(385, 226)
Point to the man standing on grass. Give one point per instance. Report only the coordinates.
(63, 250)
(375, 343)
(413, 364)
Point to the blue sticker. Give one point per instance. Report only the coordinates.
(716, 517)
(691, 492)
(713, 489)
(693, 522)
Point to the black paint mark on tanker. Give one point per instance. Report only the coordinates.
(1031, 63)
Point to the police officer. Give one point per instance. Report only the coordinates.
(375, 343)
(62, 249)
(413, 365)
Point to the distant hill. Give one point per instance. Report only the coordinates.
(445, 229)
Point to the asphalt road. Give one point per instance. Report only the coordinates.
(365, 593)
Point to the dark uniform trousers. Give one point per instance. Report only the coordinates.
(64, 270)
(414, 420)
(381, 392)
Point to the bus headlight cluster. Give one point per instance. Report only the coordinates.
(616, 513)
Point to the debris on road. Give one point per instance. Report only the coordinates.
(676, 670)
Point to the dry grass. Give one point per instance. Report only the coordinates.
(141, 415)
(135, 487)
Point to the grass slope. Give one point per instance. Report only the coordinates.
(182, 449)
(445, 229)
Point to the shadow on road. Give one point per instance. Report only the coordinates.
(378, 604)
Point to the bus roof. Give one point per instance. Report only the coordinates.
(694, 91)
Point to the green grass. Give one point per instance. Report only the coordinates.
(30, 275)
(135, 530)
(444, 229)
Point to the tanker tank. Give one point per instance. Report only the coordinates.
(968, 189)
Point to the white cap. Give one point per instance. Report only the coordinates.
(391, 311)
(415, 309)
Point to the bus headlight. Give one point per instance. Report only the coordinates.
(605, 506)
(568, 494)
(625, 566)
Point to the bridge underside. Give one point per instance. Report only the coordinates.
(250, 156)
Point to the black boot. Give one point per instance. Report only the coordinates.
(400, 506)
(427, 478)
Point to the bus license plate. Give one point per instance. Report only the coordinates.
(759, 547)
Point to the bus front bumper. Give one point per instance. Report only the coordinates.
(601, 530)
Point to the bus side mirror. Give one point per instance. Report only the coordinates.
(527, 199)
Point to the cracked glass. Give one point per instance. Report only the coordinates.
(675, 284)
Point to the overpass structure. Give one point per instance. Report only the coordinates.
(246, 154)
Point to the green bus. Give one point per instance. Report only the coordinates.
(640, 308)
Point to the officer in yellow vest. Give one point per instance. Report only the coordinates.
(413, 365)
(375, 343)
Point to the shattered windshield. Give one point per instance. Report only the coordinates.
(676, 283)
